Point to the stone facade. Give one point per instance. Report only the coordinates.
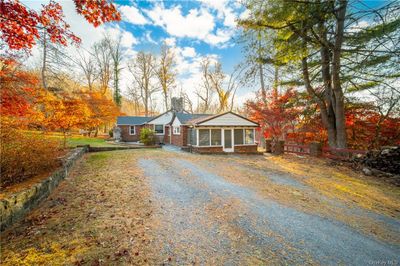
(180, 140)
(125, 136)
(208, 150)
(16, 206)
(246, 148)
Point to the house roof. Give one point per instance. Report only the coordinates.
(132, 120)
(157, 116)
(200, 120)
(185, 117)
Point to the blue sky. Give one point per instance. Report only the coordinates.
(193, 29)
(207, 27)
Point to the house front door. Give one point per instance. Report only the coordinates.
(228, 140)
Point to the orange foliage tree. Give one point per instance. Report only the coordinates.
(61, 112)
(102, 110)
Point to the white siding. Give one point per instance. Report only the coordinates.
(162, 120)
(228, 120)
(176, 122)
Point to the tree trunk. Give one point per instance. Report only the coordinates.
(321, 104)
(263, 90)
(165, 99)
(276, 80)
(328, 94)
(43, 72)
(341, 136)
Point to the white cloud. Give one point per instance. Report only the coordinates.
(359, 25)
(221, 37)
(230, 18)
(149, 38)
(196, 24)
(127, 38)
(171, 41)
(132, 15)
(188, 52)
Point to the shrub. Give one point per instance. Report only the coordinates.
(111, 133)
(147, 136)
(26, 154)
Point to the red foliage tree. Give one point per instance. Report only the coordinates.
(276, 113)
(17, 89)
(19, 25)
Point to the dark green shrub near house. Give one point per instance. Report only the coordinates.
(148, 136)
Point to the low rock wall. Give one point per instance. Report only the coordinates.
(16, 206)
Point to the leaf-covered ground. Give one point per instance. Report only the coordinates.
(165, 207)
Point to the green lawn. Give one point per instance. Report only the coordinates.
(73, 141)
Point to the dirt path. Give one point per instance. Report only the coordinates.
(155, 207)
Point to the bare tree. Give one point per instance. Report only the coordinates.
(55, 63)
(205, 92)
(166, 72)
(86, 61)
(104, 62)
(225, 87)
(134, 95)
(144, 75)
(387, 103)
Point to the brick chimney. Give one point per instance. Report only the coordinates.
(177, 104)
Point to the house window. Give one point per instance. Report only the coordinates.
(177, 130)
(204, 137)
(159, 129)
(216, 137)
(193, 136)
(132, 130)
(249, 136)
(239, 136)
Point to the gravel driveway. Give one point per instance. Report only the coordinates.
(154, 207)
(204, 218)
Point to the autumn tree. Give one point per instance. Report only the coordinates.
(142, 69)
(61, 112)
(322, 38)
(166, 73)
(17, 92)
(276, 113)
(20, 26)
(103, 111)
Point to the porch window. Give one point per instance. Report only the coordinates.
(239, 137)
(159, 129)
(132, 130)
(193, 136)
(204, 137)
(177, 130)
(249, 136)
(216, 137)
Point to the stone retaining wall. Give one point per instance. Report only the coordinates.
(16, 206)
